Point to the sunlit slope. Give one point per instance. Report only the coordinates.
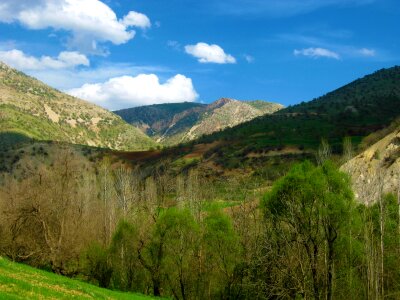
(32, 109)
(18, 281)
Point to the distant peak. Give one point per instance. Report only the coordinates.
(224, 100)
(220, 102)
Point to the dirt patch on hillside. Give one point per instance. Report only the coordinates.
(139, 155)
(284, 151)
(200, 149)
(51, 114)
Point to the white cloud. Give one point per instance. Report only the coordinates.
(174, 45)
(206, 53)
(87, 20)
(66, 79)
(136, 19)
(317, 52)
(367, 52)
(22, 61)
(144, 89)
(250, 59)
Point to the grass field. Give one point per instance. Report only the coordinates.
(18, 281)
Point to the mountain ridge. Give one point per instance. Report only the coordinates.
(184, 122)
(356, 109)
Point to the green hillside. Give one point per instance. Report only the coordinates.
(18, 281)
(355, 110)
(32, 109)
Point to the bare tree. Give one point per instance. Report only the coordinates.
(324, 152)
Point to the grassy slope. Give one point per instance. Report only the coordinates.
(18, 281)
(264, 106)
(31, 108)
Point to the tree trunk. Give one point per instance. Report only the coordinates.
(330, 271)
(315, 272)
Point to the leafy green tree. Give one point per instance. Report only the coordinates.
(181, 251)
(222, 253)
(124, 247)
(308, 209)
(97, 264)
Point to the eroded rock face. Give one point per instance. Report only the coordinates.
(376, 170)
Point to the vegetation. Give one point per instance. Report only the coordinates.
(18, 281)
(355, 110)
(194, 221)
(30, 109)
(150, 232)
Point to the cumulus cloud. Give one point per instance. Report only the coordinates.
(85, 19)
(144, 89)
(317, 52)
(136, 19)
(206, 53)
(22, 61)
(367, 52)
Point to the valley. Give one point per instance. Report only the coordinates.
(200, 150)
(180, 200)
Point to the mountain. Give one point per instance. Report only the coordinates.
(29, 109)
(357, 109)
(155, 119)
(377, 169)
(182, 122)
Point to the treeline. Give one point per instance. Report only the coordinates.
(121, 228)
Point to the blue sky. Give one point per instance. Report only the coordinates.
(123, 53)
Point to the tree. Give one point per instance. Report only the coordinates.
(124, 247)
(324, 152)
(222, 253)
(50, 216)
(106, 191)
(309, 209)
(181, 250)
(382, 266)
(348, 151)
(97, 265)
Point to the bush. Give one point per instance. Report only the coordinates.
(96, 265)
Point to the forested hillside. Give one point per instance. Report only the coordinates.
(356, 110)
